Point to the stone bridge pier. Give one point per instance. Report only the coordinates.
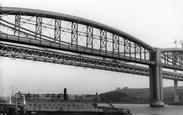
(156, 81)
(176, 96)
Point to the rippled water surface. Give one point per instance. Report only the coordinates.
(144, 109)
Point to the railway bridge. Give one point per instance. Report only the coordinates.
(64, 39)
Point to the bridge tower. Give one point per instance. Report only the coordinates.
(156, 81)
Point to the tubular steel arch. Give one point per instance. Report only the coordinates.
(70, 33)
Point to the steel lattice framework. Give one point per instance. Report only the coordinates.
(172, 57)
(69, 33)
(62, 32)
(53, 56)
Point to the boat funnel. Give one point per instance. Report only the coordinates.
(65, 93)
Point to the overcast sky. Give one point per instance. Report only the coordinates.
(156, 22)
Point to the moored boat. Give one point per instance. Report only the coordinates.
(58, 104)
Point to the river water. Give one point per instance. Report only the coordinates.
(144, 109)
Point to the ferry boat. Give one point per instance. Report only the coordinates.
(58, 104)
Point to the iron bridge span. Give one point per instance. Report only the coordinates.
(22, 28)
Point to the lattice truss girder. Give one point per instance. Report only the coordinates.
(174, 58)
(46, 55)
(72, 33)
(172, 75)
(61, 58)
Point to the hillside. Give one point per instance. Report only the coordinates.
(132, 95)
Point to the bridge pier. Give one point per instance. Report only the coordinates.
(156, 81)
(176, 97)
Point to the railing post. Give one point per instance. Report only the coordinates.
(156, 81)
